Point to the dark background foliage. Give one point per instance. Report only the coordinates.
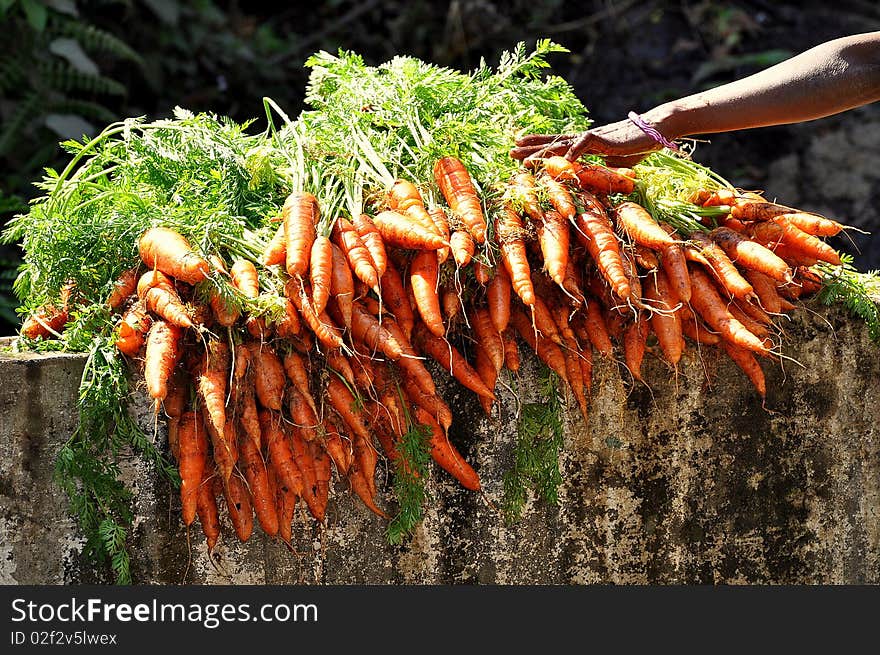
(69, 67)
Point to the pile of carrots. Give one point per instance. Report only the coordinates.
(264, 400)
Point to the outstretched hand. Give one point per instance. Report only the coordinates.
(623, 144)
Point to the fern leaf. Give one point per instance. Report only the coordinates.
(97, 40)
(59, 76)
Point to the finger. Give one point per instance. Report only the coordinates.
(555, 150)
(543, 139)
(539, 152)
(579, 146)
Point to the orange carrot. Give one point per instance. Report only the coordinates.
(394, 295)
(547, 351)
(163, 249)
(634, 340)
(554, 237)
(366, 457)
(296, 371)
(338, 448)
(321, 272)
(665, 320)
(174, 406)
(156, 291)
(372, 240)
(572, 353)
(244, 278)
(212, 376)
(558, 196)
(755, 327)
(45, 322)
(632, 275)
(248, 415)
(258, 483)
(268, 375)
(572, 284)
(511, 352)
(707, 302)
(321, 462)
(206, 508)
(162, 354)
(450, 302)
(560, 169)
(338, 362)
(193, 444)
(289, 325)
(399, 230)
(792, 255)
(508, 232)
(404, 198)
(461, 244)
(591, 177)
(301, 413)
(280, 454)
(343, 401)
(225, 313)
(430, 402)
(445, 454)
(299, 216)
(359, 258)
(749, 365)
(285, 505)
(276, 252)
(360, 486)
(498, 297)
(342, 284)
(597, 330)
(543, 321)
(488, 337)
(132, 330)
(750, 254)
(123, 287)
(326, 331)
(482, 272)
(424, 276)
(239, 508)
(781, 230)
(601, 179)
(748, 209)
(458, 189)
(765, 289)
(674, 264)
(409, 361)
(641, 227)
(812, 223)
(702, 248)
(595, 232)
(695, 329)
(451, 359)
(441, 222)
(645, 258)
(373, 334)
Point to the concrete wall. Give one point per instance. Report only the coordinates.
(688, 481)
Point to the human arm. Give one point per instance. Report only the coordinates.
(830, 78)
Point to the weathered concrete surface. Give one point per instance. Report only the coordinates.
(690, 481)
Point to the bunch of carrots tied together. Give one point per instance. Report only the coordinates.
(260, 415)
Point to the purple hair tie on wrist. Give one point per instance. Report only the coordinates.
(652, 132)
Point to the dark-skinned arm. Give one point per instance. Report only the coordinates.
(830, 78)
